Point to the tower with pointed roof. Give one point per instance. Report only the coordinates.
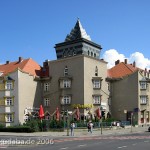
(78, 42)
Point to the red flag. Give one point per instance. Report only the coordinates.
(98, 113)
(41, 112)
(57, 114)
(77, 114)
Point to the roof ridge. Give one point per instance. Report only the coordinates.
(128, 67)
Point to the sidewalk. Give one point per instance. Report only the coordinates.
(81, 132)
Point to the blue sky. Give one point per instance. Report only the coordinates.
(31, 28)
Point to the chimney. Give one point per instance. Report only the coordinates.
(117, 62)
(45, 64)
(20, 59)
(134, 64)
(7, 62)
(125, 61)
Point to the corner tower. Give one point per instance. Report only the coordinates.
(77, 43)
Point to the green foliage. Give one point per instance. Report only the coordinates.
(33, 124)
(2, 126)
(56, 124)
(109, 120)
(20, 128)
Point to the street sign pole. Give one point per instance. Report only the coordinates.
(131, 120)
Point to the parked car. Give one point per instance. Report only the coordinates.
(149, 129)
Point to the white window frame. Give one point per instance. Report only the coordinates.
(46, 102)
(9, 85)
(143, 85)
(143, 99)
(66, 83)
(66, 99)
(97, 84)
(96, 99)
(9, 101)
(46, 87)
(9, 117)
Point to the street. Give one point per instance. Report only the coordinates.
(134, 141)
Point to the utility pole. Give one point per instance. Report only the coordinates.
(67, 124)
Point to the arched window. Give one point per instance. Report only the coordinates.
(91, 53)
(88, 53)
(66, 71)
(96, 71)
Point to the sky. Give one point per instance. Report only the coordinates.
(31, 28)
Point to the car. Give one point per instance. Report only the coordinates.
(149, 129)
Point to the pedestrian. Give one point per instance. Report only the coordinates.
(72, 126)
(90, 126)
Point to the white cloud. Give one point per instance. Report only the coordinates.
(112, 55)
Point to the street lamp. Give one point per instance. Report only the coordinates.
(101, 120)
(67, 124)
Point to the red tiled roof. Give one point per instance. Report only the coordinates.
(121, 70)
(26, 65)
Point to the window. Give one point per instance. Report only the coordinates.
(46, 86)
(74, 52)
(143, 99)
(46, 102)
(9, 101)
(66, 71)
(97, 99)
(96, 71)
(66, 99)
(66, 83)
(96, 84)
(9, 117)
(143, 85)
(9, 85)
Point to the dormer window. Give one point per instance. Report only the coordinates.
(143, 85)
(66, 71)
(96, 71)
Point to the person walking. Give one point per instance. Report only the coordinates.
(90, 126)
(72, 126)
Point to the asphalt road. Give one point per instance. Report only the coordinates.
(135, 141)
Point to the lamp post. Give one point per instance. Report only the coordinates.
(67, 124)
(131, 120)
(101, 120)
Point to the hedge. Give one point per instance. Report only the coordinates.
(26, 129)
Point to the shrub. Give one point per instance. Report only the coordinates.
(2, 126)
(33, 124)
(16, 129)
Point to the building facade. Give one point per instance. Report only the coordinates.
(20, 93)
(129, 93)
(77, 77)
